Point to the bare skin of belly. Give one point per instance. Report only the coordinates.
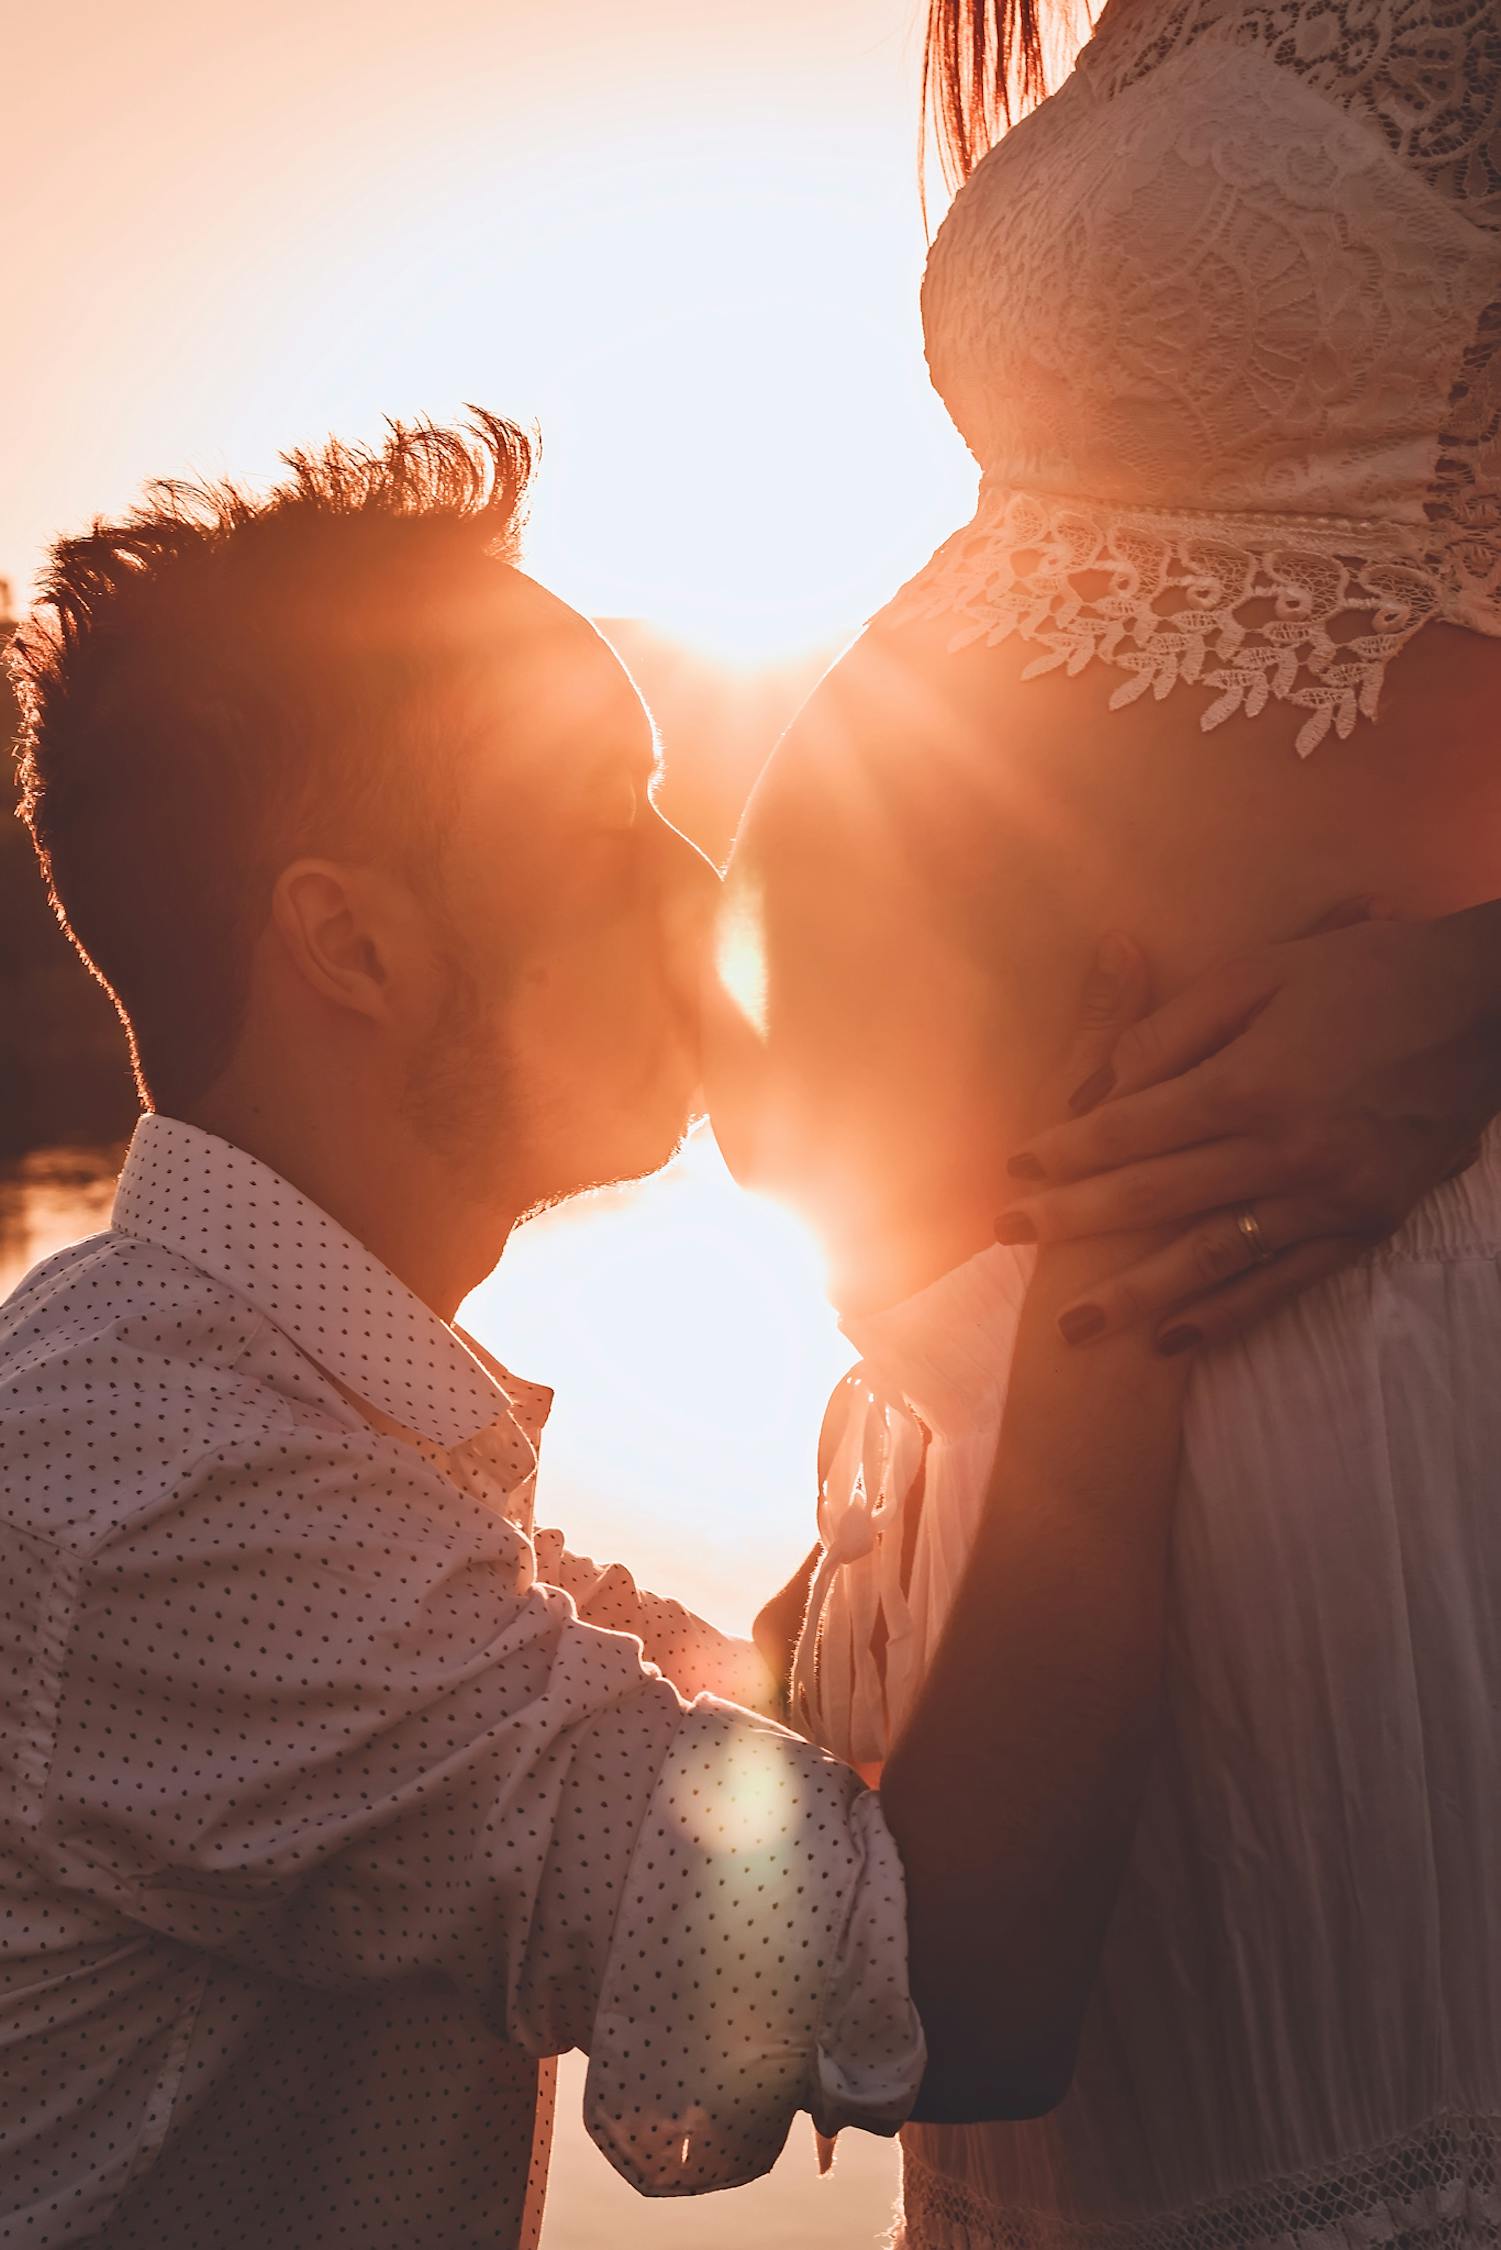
(936, 847)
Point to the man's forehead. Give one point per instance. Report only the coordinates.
(557, 678)
(533, 630)
(540, 640)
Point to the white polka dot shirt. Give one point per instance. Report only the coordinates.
(333, 1802)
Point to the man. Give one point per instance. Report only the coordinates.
(332, 1805)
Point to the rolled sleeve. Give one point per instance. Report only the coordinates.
(758, 1964)
(315, 1715)
(695, 1655)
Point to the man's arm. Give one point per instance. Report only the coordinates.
(310, 1714)
(696, 1656)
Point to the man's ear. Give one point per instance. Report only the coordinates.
(330, 920)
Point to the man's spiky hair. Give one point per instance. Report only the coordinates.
(219, 676)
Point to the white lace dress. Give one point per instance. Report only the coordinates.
(1295, 2040)
(1222, 322)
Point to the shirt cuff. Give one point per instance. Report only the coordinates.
(871, 2051)
(758, 1964)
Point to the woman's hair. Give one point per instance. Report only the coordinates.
(218, 680)
(985, 64)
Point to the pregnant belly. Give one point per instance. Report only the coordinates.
(1205, 841)
(937, 845)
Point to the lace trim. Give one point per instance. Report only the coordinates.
(1175, 599)
(1435, 2190)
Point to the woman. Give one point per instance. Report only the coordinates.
(1222, 322)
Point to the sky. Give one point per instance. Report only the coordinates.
(684, 238)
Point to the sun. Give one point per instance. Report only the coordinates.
(741, 442)
(685, 1329)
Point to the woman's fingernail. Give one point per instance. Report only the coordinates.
(1025, 1167)
(1092, 1091)
(1015, 1226)
(1175, 1340)
(1080, 1323)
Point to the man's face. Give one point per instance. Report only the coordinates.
(564, 1050)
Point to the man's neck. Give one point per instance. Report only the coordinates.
(406, 1203)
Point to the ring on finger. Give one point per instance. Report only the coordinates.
(1256, 1242)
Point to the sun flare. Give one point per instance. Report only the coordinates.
(740, 951)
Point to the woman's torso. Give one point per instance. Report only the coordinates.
(1295, 2032)
(1222, 324)
(936, 848)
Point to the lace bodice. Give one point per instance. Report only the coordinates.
(1221, 322)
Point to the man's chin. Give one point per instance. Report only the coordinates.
(658, 1148)
(666, 1120)
(635, 1155)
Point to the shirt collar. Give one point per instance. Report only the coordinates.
(947, 1349)
(233, 1217)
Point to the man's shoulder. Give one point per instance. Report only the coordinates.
(116, 1294)
(119, 1362)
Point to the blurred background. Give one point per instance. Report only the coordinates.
(687, 242)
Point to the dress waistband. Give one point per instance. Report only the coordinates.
(1460, 1219)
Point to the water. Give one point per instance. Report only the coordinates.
(49, 1200)
(684, 1330)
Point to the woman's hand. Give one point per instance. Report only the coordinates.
(1294, 1105)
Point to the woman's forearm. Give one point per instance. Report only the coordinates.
(1014, 1790)
(1474, 936)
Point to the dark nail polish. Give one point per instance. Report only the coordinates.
(1092, 1091)
(1015, 1226)
(1025, 1167)
(1080, 1323)
(1175, 1340)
